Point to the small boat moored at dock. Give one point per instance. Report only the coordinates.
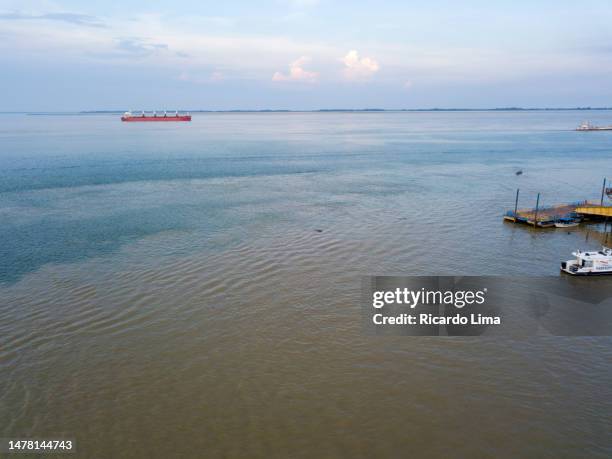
(567, 222)
(589, 263)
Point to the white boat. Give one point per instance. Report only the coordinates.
(589, 263)
(589, 127)
(566, 224)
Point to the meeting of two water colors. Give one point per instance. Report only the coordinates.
(193, 289)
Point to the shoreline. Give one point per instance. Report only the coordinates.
(322, 110)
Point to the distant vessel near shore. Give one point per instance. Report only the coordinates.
(129, 116)
(589, 127)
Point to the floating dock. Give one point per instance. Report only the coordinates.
(544, 217)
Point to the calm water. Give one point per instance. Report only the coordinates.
(192, 289)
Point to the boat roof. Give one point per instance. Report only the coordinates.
(599, 255)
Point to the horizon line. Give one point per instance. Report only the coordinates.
(319, 110)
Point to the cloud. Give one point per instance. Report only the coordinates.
(184, 42)
(297, 72)
(192, 43)
(132, 50)
(408, 85)
(138, 46)
(359, 67)
(70, 18)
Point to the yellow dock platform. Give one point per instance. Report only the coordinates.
(594, 211)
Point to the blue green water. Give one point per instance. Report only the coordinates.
(75, 187)
(202, 280)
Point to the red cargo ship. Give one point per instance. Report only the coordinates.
(129, 116)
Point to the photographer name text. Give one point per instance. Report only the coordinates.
(433, 298)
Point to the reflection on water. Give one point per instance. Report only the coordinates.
(194, 290)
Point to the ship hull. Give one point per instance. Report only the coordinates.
(134, 119)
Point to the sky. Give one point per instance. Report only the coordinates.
(303, 54)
